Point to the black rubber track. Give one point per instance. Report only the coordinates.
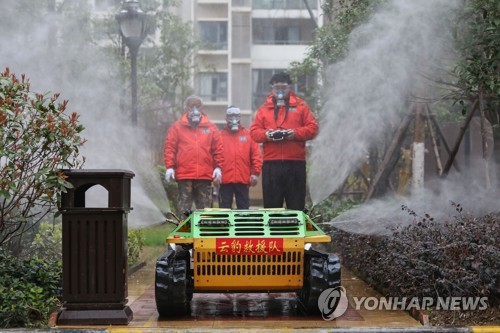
(322, 271)
(171, 284)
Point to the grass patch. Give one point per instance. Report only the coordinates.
(157, 234)
(151, 253)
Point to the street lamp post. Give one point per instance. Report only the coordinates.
(133, 23)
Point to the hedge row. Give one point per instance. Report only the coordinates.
(429, 258)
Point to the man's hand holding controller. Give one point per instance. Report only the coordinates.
(278, 135)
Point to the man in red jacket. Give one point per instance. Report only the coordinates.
(242, 162)
(283, 124)
(193, 156)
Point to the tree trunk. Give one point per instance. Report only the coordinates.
(384, 169)
(434, 142)
(418, 150)
(484, 140)
(454, 151)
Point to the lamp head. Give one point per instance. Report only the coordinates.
(132, 23)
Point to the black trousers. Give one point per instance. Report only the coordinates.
(240, 192)
(284, 182)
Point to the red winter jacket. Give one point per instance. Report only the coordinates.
(299, 118)
(193, 152)
(242, 156)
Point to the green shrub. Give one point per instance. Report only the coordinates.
(29, 291)
(47, 241)
(135, 244)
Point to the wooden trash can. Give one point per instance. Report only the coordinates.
(95, 250)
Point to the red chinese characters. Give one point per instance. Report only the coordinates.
(248, 246)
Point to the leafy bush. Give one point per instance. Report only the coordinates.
(429, 258)
(29, 291)
(135, 244)
(47, 241)
(38, 140)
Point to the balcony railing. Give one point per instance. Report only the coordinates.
(281, 42)
(283, 4)
(213, 46)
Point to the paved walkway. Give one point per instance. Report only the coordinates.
(264, 311)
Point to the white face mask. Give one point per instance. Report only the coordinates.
(280, 92)
(280, 97)
(233, 117)
(233, 122)
(194, 115)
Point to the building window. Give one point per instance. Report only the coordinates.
(283, 4)
(213, 86)
(287, 35)
(213, 35)
(282, 31)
